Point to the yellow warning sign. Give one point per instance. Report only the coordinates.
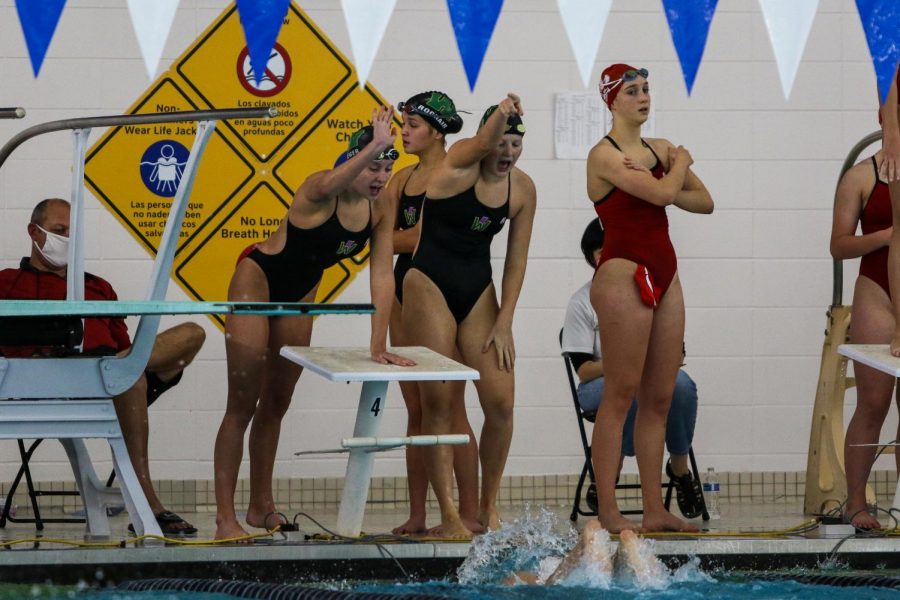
(253, 218)
(328, 137)
(251, 168)
(154, 157)
(303, 75)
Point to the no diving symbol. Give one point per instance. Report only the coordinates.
(273, 80)
(162, 166)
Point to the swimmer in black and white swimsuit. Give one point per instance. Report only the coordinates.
(427, 119)
(333, 215)
(450, 301)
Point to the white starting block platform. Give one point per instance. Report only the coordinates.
(877, 356)
(356, 364)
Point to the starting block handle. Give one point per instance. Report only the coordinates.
(415, 440)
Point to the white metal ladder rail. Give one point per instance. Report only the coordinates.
(76, 402)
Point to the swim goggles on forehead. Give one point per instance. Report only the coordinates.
(425, 111)
(629, 75)
(515, 128)
(389, 154)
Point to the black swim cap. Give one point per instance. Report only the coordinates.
(514, 122)
(436, 108)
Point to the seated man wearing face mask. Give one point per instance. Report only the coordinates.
(42, 276)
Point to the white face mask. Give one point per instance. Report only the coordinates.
(55, 250)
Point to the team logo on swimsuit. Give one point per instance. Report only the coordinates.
(346, 248)
(410, 216)
(480, 224)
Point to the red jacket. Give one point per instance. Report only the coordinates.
(101, 335)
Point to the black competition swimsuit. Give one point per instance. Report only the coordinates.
(296, 270)
(408, 214)
(455, 247)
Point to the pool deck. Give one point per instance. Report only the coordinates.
(296, 559)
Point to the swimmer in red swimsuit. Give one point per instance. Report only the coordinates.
(636, 291)
(863, 198)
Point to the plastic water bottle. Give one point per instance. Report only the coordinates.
(711, 493)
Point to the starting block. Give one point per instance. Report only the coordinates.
(356, 364)
(877, 356)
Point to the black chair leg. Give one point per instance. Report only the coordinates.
(697, 477)
(576, 506)
(668, 501)
(25, 471)
(26, 457)
(23, 468)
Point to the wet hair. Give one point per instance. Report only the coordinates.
(591, 240)
(39, 214)
(514, 122)
(436, 108)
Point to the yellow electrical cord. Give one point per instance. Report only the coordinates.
(135, 540)
(774, 534)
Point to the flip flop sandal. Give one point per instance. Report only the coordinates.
(167, 521)
(688, 493)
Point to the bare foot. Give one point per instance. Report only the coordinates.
(644, 567)
(472, 524)
(666, 521)
(413, 525)
(861, 518)
(591, 551)
(489, 519)
(264, 520)
(453, 529)
(895, 343)
(229, 529)
(616, 523)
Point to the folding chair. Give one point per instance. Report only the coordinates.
(587, 471)
(63, 335)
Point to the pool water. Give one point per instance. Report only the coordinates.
(701, 590)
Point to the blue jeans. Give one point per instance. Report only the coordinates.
(682, 413)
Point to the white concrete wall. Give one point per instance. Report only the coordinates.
(756, 274)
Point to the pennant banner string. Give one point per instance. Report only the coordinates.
(584, 21)
(689, 22)
(881, 23)
(38, 19)
(366, 23)
(473, 23)
(261, 20)
(152, 22)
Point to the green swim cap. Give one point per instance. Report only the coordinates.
(437, 108)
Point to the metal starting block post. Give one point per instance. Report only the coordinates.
(389, 443)
(356, 364)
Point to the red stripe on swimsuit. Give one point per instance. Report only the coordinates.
(876, 216)
(638, 231)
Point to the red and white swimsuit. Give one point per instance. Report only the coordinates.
(638, 231)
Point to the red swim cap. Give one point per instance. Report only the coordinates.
(613, 77)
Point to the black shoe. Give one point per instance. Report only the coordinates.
(590, 498)
(688, 493)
